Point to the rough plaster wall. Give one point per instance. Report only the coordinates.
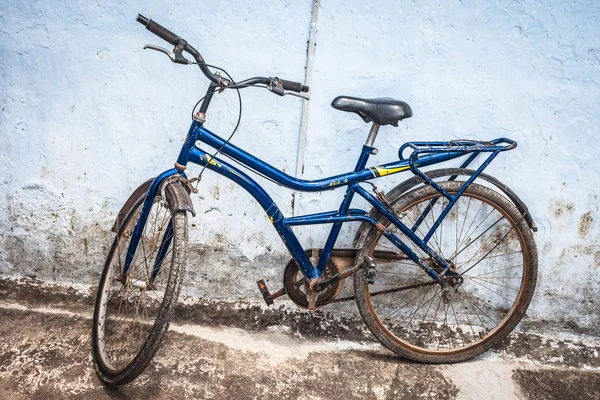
(86, 116)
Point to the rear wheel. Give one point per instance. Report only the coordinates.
(486, 241)
(132, 312)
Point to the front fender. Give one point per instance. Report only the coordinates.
(137, 193)
(176, 195)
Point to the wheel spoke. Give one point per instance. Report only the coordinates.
(472, 301)
(407, 303)
(471, 224)
(430, 301)
(493, 248)
(459, 239)
(498, 270)
(445, 326)
(458, 328)
(419, 307)
(478, 232)
(493, 291)
(433, 319)
(489, 257)
(498, 284)
(480, 235)
(128, 307)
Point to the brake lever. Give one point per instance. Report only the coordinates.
(176, 56)
(276, 87)
(301, 95)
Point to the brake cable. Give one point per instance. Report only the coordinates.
(219, 89)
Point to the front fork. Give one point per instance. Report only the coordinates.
(162, 251)
(141, 223)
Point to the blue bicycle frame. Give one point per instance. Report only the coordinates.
(423, 154)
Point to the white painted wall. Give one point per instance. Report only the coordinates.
(87, 116)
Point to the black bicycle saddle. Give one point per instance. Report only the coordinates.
(382, 110)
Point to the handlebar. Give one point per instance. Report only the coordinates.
(294, 86)
(177, 41)
(158, 30)
(275, 85)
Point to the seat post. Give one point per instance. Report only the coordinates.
(372, 135)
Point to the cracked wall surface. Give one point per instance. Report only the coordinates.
(86, 116)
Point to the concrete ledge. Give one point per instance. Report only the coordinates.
(242, 350)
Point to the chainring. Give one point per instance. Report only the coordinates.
(295, 284)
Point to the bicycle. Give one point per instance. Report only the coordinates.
(443, 269)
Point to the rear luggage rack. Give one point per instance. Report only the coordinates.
(458, 146)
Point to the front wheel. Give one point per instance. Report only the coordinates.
(132, 311)
(486, 241)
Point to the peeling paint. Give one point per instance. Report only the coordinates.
(561, 208)
(585, 224)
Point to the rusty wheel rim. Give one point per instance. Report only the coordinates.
(468, 313)
(129, 307)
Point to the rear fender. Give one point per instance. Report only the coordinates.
(402, 188)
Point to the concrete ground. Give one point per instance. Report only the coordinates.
(246, 351)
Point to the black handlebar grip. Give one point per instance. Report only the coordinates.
(142, 20)
(158, 29)
(293, 86)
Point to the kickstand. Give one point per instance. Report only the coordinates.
(311, 295)
(311, 298)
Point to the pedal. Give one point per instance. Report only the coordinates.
(262, 286)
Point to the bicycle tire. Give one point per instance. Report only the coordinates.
(407, 340)
(105, 330)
